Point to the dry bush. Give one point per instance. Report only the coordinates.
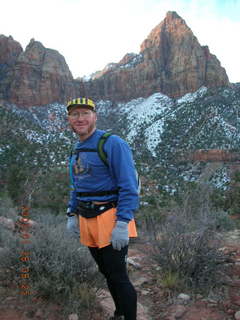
(188, 243)
(194, 256)
(60, 269)
(7, 208)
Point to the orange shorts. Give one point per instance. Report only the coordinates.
(96, 232)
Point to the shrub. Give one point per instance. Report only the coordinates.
(60, 269)
(190, 256)
(148, 219)
(52, 190)
(171, 280)
(188, 245)
(7, 208)
(221, 221)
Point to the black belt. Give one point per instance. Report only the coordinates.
(97, 193)
(88, 209)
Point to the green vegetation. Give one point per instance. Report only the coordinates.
(59, 269)
(33, 163)
(183, 211)
(187, 243)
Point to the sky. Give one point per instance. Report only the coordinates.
(92, 33)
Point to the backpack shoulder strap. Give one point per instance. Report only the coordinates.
(102, 154)
(70, 167)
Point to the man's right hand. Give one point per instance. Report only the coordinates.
(73, 225)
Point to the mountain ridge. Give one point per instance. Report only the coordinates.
(171, 61)
(176, 138)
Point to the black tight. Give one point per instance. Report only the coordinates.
(112, 264)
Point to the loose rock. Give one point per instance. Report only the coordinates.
(184, 296)
(237, 315)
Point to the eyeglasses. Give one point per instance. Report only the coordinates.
(83, 114)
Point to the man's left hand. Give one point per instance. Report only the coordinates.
(120, 237)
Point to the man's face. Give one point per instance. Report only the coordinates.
(82, 121)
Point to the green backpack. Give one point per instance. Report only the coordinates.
(103, 156)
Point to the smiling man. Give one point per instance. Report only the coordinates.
(82, 118)
(103, 197)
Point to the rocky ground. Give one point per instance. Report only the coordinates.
(154, 302)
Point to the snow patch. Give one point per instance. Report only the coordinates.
(191, 97)
(147, 113)
(153, 135)
(136, 59)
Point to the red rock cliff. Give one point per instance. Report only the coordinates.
(171, 61)
(9, 52)
(213, 155)
(38, 75)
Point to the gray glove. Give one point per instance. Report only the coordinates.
(72, 225)
(120, 237)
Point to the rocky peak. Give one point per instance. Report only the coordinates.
(48, 59)
(33, 54)
(9, 53)
(39, 76)
(171, 61)
(9, 50)
(173, 26)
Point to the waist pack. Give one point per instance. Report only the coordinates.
(91, 210)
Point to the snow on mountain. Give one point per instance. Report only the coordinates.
(134, 59)
(153, 135)
(191, 97)
(148, 113)
(158, 127)
(168, 128)
(203, 119)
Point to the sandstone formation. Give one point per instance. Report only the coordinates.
(171, 61)
(9, 52)
(40, 76)
(213, 155)
(36, 76)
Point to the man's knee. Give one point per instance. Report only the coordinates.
(102, 270)
(118, 277)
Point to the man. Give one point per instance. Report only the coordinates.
(104, 196)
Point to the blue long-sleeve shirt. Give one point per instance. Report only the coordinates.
(89, 174)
